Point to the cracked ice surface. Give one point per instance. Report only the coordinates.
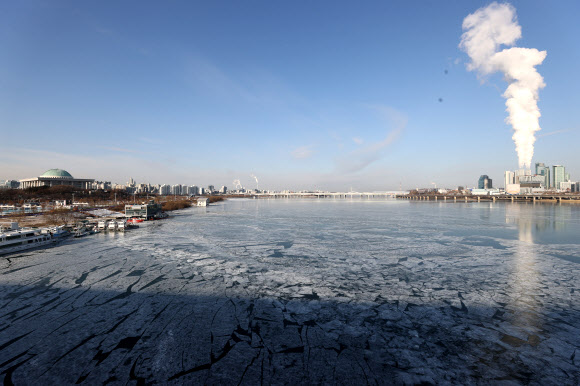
(301, 292)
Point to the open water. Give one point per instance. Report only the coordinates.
(301, 292)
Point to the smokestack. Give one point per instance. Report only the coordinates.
(485, 31)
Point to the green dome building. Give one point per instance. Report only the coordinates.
(56, 173)
(55, 177)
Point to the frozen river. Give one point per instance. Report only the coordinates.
(303, 292)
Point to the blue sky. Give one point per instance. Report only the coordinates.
(326, 95)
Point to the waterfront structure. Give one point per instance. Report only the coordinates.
(484, 182)
(485, 192)
(202, 201)
(508, 178)
(56, 177)
(512, 189)
(531, 184)
(558, 175)
(520, 173)
(569, 186)
(537, 181)
(147, 211)
(543, 170)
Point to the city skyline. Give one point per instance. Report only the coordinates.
(305, 96)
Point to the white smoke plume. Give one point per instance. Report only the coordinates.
(255, 178)
(485, 31)
(237, 184)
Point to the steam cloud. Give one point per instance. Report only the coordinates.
(485, 31)
(255, 178)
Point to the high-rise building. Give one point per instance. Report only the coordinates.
(165, 190)
(176, 190)
(509, 178)
(543, 170)
(558, 175)
(484, 182)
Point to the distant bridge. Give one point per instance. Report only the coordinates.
(343, 195)
(503, 197)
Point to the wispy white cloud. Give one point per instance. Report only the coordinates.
(302, 152)
(202, 73)
(358, 141)
(251, 86)
(119, 149)
(554, 133)
(152, 141)
(360, 158)
(104, 31)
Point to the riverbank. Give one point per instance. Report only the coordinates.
(55, 217)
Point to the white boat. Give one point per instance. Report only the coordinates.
(122, 225)
(102, 224)
(82, 231)
(112, 226)
(56, 233)
(18, 239)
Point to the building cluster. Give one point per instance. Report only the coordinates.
(170, 190)
(56, 177)
(9, 184)
(543, 178)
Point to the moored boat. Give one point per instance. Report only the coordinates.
(16, 239)
(112, 226)
(121, 225)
